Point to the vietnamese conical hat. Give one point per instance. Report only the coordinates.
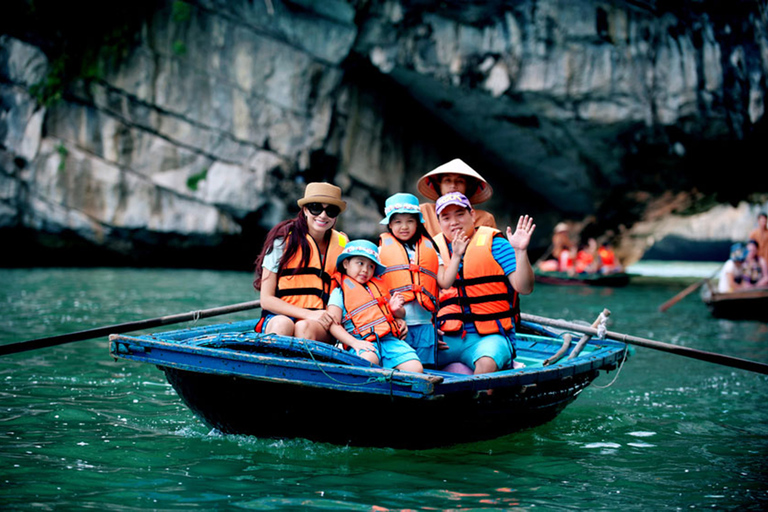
(456, 166)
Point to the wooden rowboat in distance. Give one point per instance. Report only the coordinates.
(738, 305)
(616, 279)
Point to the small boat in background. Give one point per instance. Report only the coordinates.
(241, 382)
(738, 305)
(615, 279)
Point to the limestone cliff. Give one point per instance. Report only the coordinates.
(202, 134)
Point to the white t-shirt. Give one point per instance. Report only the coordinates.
(724, 283)
(272, 259)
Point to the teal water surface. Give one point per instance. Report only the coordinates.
(79, 430)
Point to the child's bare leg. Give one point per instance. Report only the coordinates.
(414, 365)
(312, 330)
(281, 325)
(369, 355)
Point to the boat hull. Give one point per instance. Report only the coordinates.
(743, 305)
(288, 410)
(240, 382)
(564, 279)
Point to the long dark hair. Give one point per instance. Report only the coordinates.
(294, 233)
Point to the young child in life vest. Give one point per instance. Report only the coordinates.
(415, 270)
(365, 315)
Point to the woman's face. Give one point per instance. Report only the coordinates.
(318, 220)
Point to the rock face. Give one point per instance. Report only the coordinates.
(204, 134)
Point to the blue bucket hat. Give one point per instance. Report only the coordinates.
(362, 248)
(401, 203)
(738, 252)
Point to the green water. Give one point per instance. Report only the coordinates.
(79, 430)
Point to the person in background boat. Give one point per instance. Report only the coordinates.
(587, 258)
(609, 263)
(415, 270)
(295, 267)
(731, 274)
(454, 176)
(478, 313)
(561, 241)
(760, 234)
(365, 314)
(755, 268)
(567, 260)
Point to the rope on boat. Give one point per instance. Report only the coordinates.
(196, 315)
(618, 370)
(370, 380)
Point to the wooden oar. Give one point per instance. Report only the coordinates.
(734, 362)
(61, 339)
(687, 291)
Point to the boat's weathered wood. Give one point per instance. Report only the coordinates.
(725, 360)
(98, 332)
(241, 382)
(560, 353)
(601, 318)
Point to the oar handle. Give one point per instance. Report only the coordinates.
(734, 362)
(61, 339)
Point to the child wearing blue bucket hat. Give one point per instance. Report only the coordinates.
(366, 317)
(415, 270)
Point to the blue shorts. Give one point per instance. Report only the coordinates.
(473, 346)
(266, 316)
(423, 339)
(394, 351)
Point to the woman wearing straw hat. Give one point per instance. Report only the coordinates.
(295, 268)
(454, 176)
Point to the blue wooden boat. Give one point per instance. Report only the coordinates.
(241, 382)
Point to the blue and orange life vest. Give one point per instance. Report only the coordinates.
(367, 308)
(481, 293)
(415, 281)
(309, 287)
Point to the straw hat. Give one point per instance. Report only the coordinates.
(456, 166)
(322, 193)
(362, 248)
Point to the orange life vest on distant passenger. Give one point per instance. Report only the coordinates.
(416, 281)
(309, 287)
(481, 293)
(367, 307)
(606, 256)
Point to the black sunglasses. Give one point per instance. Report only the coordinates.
(331, 210)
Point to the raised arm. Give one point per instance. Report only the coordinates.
(522, 279)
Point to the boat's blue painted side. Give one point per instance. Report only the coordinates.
(238, 381)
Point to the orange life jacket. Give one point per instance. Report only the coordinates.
(481, 293)
(417, 281)
(606, 256)
(367, 307)
(309, 287)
